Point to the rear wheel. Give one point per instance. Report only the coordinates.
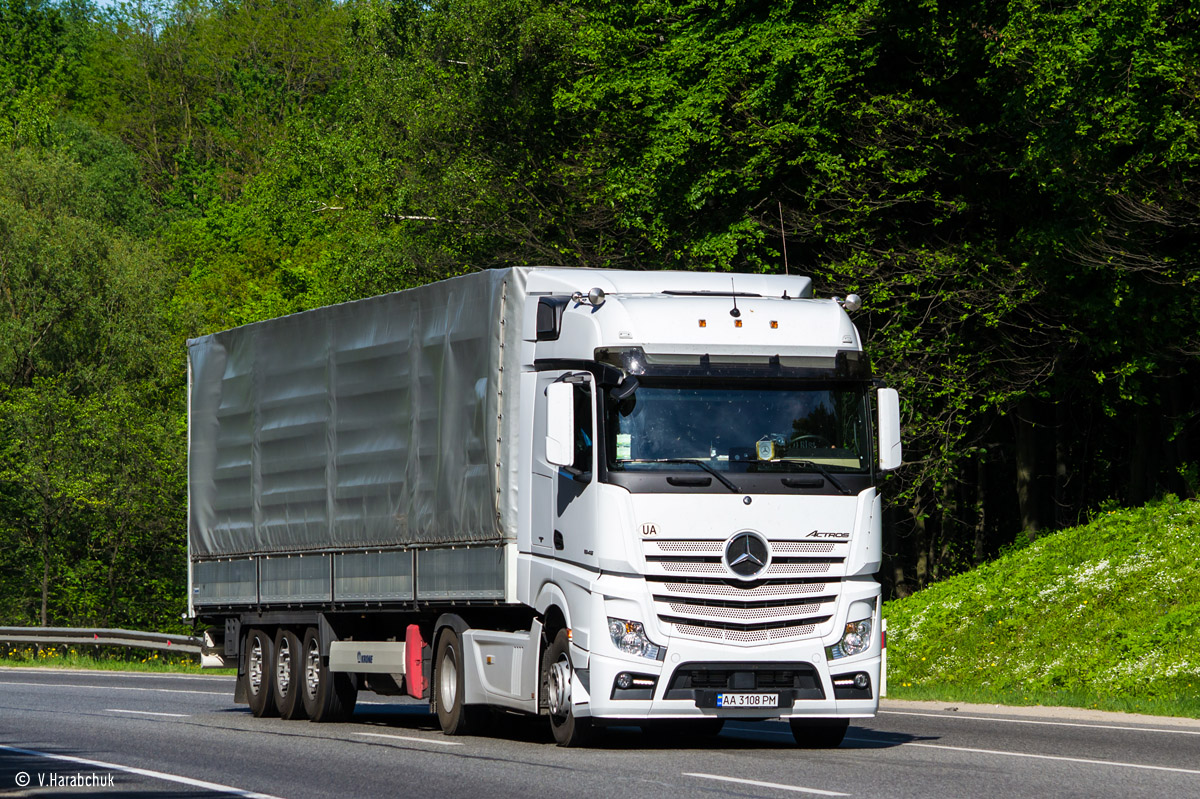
(557, 674)
(819, 733)
(289, 673)
(259, 666)
(454, 717)
(327, 696)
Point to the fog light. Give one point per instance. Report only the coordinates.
(624, 680)
(860, 680)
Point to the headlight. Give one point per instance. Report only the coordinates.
(630, 637)
(856, 639)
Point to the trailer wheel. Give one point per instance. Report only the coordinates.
(327, 696)
(289, 674)
(259, 653)
(557, 673)
(454, 717)
(819, 733)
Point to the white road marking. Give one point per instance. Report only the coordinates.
(1035, 721)
(57, 685)
(147, 713)
(760, 784)
(142, 772)
(1031, 755)
(1084, 760)
(410, 738)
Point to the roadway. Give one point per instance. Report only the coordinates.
(107, 734)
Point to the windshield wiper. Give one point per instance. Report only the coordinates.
(724, 480)
(828, 475)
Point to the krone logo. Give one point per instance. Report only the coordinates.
(747, 555)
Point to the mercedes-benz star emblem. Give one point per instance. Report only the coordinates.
(747, 555)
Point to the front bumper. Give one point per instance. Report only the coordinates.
(688, 682)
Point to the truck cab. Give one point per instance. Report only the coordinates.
(703, 520)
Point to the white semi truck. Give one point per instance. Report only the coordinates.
(603, 497)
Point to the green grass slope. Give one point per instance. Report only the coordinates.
(1104, 615)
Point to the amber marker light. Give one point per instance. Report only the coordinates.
(703, 323)
(737, 322)
(774, 325)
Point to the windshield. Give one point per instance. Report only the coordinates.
(819, 428)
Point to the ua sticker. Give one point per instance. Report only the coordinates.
(649, 529)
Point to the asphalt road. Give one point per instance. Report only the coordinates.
(76, 733)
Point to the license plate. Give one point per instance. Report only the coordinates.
(747, 700)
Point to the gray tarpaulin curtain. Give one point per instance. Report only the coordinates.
(368, 424)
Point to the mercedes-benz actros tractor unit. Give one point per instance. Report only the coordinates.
(603, 497)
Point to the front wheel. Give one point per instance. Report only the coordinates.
(454, 717)
(557, 674)
(819, 733)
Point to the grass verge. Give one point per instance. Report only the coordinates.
(1104, 615)
(106, 659)
(1188, 707)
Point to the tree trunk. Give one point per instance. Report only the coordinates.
(45, 578)
(979, 552)
(1063, 515)
(1142, 458)
(1026, 450)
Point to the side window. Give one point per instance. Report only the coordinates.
(584, 434)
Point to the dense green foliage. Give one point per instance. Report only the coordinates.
(1103, 611)
(1011, 187)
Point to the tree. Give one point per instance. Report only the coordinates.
(90, 457)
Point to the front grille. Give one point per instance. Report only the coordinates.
(697, 595)
(759, 636)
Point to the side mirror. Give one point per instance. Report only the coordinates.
(560, 424)
(889, 429)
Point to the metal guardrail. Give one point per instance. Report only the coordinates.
(81, 636)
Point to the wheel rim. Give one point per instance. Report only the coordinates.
(312, 668)
(283, 667)
(559, 679)
(254, 670)
(448, 681)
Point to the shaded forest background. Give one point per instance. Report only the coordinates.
(1011, 187)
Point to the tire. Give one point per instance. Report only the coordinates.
(454, 717)
(289, 675)
(260, 666)
(327, 696)
(557, 673)
(819, 733)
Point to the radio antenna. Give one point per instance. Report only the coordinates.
(735, 313)
(783, 235)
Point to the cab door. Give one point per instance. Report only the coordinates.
(564, 516)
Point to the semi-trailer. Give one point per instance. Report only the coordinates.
(603, 497)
